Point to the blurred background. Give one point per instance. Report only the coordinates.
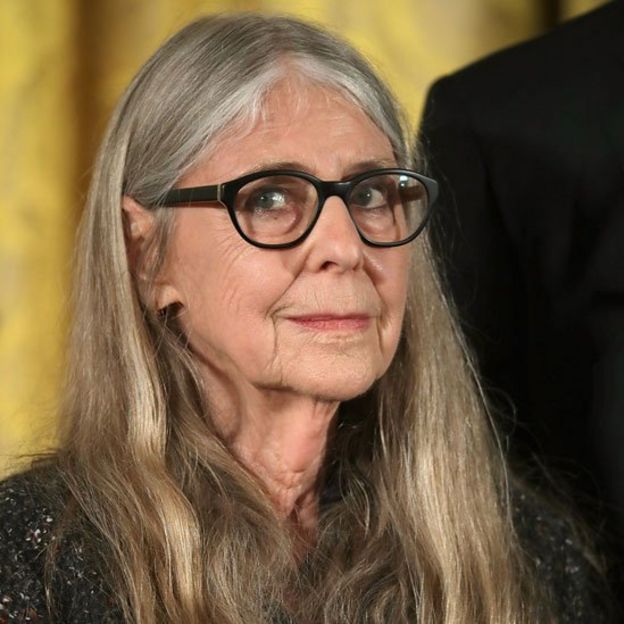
(64, 63)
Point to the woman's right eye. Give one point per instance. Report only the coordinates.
(263, 200)
(267, 199)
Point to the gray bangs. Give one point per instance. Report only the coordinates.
(210, 77)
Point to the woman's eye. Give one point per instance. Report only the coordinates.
(369, 197)
(267, 199)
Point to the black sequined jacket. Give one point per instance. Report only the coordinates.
(28, 517)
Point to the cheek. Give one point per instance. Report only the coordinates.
(227, 292)
(392, 274)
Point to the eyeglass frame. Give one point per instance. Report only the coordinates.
(225, 193)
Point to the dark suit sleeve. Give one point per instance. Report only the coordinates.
(473, 245)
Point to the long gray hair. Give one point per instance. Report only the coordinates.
(421, 529)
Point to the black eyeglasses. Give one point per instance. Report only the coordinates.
(277, 209)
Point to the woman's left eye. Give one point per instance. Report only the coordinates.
(369, 197)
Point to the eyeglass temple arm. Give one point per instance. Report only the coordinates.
(177, 197)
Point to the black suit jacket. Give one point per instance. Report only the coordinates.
(528, 145)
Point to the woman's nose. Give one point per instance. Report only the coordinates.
(334, 241)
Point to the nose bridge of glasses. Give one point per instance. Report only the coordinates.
(335, 189)
(340, 189)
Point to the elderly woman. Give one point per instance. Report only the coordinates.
(269, 413)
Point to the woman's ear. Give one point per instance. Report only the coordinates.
(138, 229)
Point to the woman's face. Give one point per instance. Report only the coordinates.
(321, 319)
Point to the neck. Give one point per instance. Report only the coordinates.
(281, 437)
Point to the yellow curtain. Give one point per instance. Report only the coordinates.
(38, 206)
(63, 63)
(570, 8)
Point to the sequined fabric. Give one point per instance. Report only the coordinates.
(31, 505)
(30, 508)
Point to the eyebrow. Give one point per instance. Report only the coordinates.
(373, 163)
(354, 169)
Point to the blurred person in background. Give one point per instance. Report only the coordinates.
(528, 146)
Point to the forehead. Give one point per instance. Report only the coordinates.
(308, 125)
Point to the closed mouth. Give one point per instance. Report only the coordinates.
(332, 322)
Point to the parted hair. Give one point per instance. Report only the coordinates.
(421, 528)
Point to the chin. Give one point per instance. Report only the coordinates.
(333, 385)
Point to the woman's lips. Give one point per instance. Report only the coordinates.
(332, 322)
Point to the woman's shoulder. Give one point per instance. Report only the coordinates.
(30, 503)
(32, 510)
(562, 560)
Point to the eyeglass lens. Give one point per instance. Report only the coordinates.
(278, 209)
